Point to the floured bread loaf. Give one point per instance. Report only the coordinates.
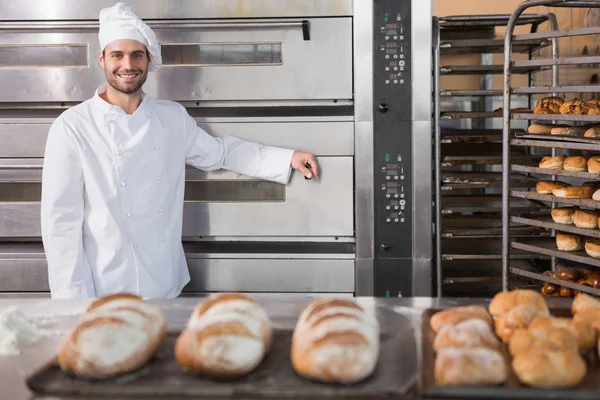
(116, 335)
(471, 333)
(455, 315)
(549, 368)
(227, 335)
(335, 341)
(519, 316)
(469, 366)
(541, 338)
(503, 302)
(583, 331)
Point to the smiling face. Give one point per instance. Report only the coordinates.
(125, 65)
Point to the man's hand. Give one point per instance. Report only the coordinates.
(306, 163)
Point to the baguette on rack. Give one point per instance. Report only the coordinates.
(116, 335)
(227, 335)
(335, 341)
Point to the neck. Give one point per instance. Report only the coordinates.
(128, 102)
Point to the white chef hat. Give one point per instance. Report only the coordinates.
(120, 22)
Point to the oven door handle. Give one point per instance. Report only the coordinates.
(183, 24)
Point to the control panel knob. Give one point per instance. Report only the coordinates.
(385, 246)
(383, 108)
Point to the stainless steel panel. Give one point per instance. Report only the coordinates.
(18, 140)
(315, 69)
(311, 208)
(268, 275)
(421, 45)
(155, 9)
(363, 83)
(23, 275)
(31, 56)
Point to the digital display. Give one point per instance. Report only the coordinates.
(390, 45)
(393, 63)
(394, 215)
(393, 172)
(392, 184)
(391, 26)
(392, 166)
(394, 202)
(391, 51)
(390, 32)
(392, 190)
(393, 76)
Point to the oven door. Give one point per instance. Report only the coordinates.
(210, 60)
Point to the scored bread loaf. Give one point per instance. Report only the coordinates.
(541, 338)
(593, 131)
(227, 335)
(574, 106)
(469, 366)
(549, 105)
(470, 333)
(540, 129)
(503, 302)
(592, 248)
(565, 130)
(335, 341)
(584, 301)
(455, 315)
(117, 334)
(582, 331)
(549, 368)
(519, 316)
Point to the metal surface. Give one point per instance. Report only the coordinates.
(484, 204)
(470, 114)
(477, 249)
(450, 161)
(486, 69)
(470, 135)
(557, 89)
(548, 223)
(558, 33)
(548, 247)
(551, 198)
(559, 61)
(483, 227)
(437, 137)
(468, 21)
(567, 142)
(470, 46)
(548, 171)
(75, 10)
(469, 93)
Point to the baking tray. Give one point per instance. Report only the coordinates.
(548, 223)
(487, 69)
(589, 388)
(472, 46)
(458, 92)
(556, 117)
(461, 160)
(547, 247)
(589, 203)
(485, 204)
(490, 20)
(483, 227)
(534, 169)
(273, 378)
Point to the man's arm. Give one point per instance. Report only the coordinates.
(251, 159)
(62, 211)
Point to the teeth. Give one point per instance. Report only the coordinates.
(128, 76)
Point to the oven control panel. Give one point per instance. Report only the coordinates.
(393, 156)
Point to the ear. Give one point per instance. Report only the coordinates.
(100, 58)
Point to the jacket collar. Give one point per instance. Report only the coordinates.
(110, 111)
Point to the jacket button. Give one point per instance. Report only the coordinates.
(128, 215)
(123, 184)
(162, 240)
(157, 148)
(134, 246)
(160, 210)
(158, 178)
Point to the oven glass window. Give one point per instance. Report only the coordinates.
(221, 54)
(43, 56)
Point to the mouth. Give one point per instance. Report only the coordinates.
(128, 77)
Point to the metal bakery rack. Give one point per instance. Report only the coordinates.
(571, 144)
(468, 155)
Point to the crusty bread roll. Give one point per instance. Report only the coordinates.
(596, 195)
(563, 215)
(551, 290)
(503, 302)
(518, 317)
(592, 248)
(542, 338)
(469, 366)
(549, 369)
(574, 192)
(564, 130)
(546, 187)
(117, 334)
(593, 102)
(453, 316)
(593, 109)
(575, 164)
(569, 274)
(594, 280)
(552, 162)
(582, 331)
(540, 129)
(590, 316)
(568, 242)
(335, 341)
(585, 219)
(548, 105)
(574, 106)
(593, 165)
(584, 301)
(227, 335)
(470, 333)
(593, 131)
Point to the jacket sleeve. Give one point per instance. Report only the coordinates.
(210, 153)
(62, 211)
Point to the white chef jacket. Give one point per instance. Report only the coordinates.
(113, 189)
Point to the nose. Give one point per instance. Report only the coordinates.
(127, 62)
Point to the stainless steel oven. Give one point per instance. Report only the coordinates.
(346, 80)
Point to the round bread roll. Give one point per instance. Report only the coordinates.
(592, 248)
(550, 290)
(546, 187)
(574, 192)
(568, 274)
(594, 280)
(568, 130)
(575, 164)
(540, 129)
(585, 219)
(593, 165)
(594, 131)
(568, 242)
(566, 292)
(553, 162)
(562, 215)
(596, 195)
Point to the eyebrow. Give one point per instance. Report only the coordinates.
(120, 51)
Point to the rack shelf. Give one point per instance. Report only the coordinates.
(546, 171)
(558, 34)
(548, 223)
(547, 246)
(471, 46)
(559, 282)
(556, 89)
(487, 69)
(557, 61)
(588, 203)
(557, 117)
(486, 204)
(541, 142)
(466, 93)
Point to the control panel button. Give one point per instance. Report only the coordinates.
(402, 202)
(396, 196)
(387, 196)
(388, 220)
(388, 207)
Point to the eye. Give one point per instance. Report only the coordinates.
(117, 56)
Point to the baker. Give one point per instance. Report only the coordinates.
(114, 175)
